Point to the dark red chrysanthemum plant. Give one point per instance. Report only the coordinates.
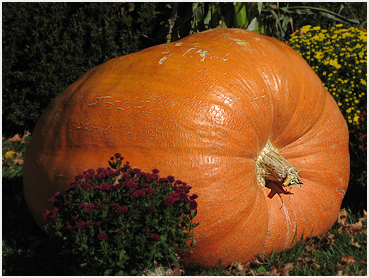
(122, 220)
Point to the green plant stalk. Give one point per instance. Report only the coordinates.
(311, 10)
(240, 19)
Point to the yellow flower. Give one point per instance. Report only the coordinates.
(339, 25)
(356, 119)
(345, 35)
(315, 38)
(306, 28)
(362, 81)
(10, 154)
(319, 55)
(334, 63)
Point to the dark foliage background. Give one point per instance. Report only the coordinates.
(351, 10)
(47, 46)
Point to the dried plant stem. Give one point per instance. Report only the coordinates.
(270, 165)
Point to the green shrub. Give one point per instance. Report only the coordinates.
(47, 46)
(339, 57)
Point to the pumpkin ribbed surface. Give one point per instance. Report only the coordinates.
(202, 109)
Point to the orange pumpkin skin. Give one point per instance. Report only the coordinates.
(202, 109)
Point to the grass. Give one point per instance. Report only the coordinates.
(27, 250)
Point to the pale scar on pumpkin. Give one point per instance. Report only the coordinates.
(162, 60)
(272, 166)
(202, 54)
(98, 100)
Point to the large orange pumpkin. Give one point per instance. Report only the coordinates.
(203, 109)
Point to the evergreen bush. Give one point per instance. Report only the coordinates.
(47, 46)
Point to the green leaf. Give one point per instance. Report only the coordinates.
(252, 24)
(275, 17)
(261, 269)
(227, 19)
(108, 272)
(111, 164)
(198, 15)
(240, 15)
(122, 255)
(120, 264)
(260, 7)
(175, 261)
(207, 19)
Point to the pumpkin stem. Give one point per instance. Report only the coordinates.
(270, 165)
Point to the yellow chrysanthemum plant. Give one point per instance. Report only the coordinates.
(339, 57)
